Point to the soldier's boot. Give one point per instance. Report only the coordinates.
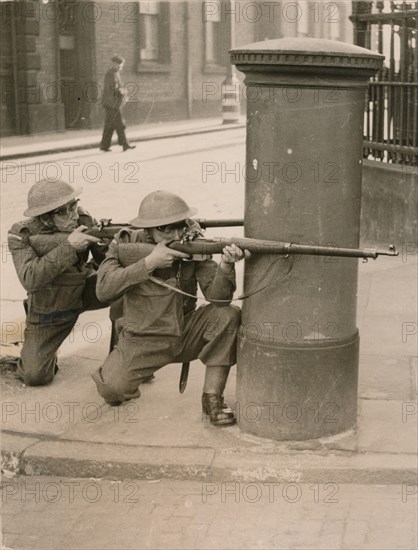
(213, 403)
(218, 411)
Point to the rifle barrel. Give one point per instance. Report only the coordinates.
(204, 223)
(109, 229)
(256, 246)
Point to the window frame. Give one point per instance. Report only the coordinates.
(163, 63)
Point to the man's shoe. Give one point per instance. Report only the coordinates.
(219, 413)
(105, 150)
(126, 147)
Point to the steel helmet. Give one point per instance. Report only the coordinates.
(162, 208)
(46, 195)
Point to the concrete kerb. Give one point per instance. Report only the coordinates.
(50, 148)
(29, 455)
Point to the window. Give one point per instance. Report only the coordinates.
(216, 34)
(149, 11)
(153, 34)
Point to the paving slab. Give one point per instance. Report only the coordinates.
(385, 377)
(50, 410)
(380, 337)
(386, 426)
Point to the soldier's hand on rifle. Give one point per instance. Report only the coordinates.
(81, 241)
(162, 257)
(232, 253)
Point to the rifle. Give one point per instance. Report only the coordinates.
(129, 253)
(105, 229)
(216, 245)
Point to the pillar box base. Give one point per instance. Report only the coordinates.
(312, 389)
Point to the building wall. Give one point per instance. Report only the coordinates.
(173, 90)
(44, 92)
(7, 114)
(155, 92)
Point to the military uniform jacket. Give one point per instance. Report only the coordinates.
(151, 309)
(56, 280)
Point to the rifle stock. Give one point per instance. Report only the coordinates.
(45, 242)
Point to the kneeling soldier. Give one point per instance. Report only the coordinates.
(59, 281)
(159, 325)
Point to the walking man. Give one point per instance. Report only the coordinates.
(113, 99)
(159, 324)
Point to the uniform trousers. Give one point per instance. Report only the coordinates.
(113, 121)
(209, 334)
(44, 334)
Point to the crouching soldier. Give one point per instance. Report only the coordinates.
(50, 254)
(161, 325)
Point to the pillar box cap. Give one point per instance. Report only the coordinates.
(310, 53)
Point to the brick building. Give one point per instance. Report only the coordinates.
(54, 54)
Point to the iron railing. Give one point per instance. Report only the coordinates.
(391, 117)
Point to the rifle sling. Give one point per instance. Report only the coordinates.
(160, 282)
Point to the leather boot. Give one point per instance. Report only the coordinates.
(219, 413)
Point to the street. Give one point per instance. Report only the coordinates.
(115, 183)
(158, 512)
(78, 514)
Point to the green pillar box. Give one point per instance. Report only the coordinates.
(298, 345)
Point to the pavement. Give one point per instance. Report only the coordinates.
(65, 429)
(85, 514)
(19, 147)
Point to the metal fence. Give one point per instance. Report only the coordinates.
(391, 117)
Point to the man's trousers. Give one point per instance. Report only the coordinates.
(44, 334)
(209, 334)
(113, 121)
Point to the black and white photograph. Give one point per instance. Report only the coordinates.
(209, 278)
